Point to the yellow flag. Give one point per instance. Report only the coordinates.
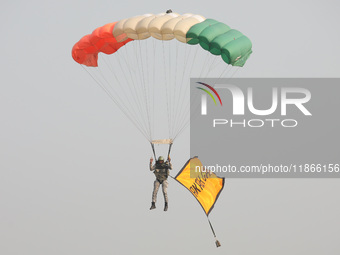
(204, 185)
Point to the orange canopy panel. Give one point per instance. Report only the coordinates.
(86, 51)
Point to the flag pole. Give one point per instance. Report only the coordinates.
(218, 244)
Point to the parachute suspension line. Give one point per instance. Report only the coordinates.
(168, 95)
(134, 111)
(228, 78)
(124, 54)
(109, 85)
(195, 110)
(115, 101)
(171, 88)
(187, 109)
(170, 85)
(153, 80)
(175, 90)
(211, 66)
(224, 72)
(151, 102)
(146, 84)
(183, 114)
(130, 111)
(166, 89)
(204, 63)
(179, 94)
(132, 91)
(136, 88)
(218, 244)
(123, 87)
(192, 63)
(174, 86)
(127, 98)
(138, 102)
(189, 104)
(180, 101)
(187, 90)
(206, 67)
(154, 75)
(137, 72)
(145, 93)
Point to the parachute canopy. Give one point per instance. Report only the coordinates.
(213, 36)
(204, 186)
(148, 60)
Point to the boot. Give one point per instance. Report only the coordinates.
(153, 205)
(166, 206)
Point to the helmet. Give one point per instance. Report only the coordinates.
(160, 158)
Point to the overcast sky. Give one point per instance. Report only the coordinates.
(73, 171)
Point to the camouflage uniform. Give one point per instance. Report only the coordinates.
(161, 172)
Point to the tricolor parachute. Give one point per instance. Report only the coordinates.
(147, 61)
(213, 36)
